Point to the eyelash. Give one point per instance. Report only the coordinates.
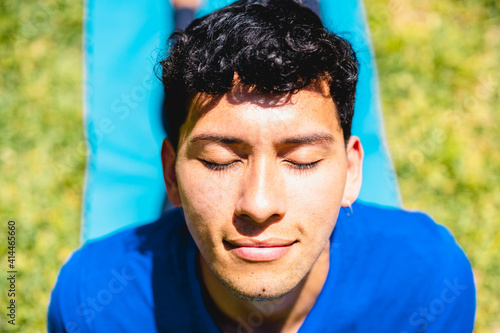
(223, 167)
(217, 166)
(303, 167)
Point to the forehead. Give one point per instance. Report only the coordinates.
(310, 109)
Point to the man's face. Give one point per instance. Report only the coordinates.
(261, 184)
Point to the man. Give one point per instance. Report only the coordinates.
(262, 165)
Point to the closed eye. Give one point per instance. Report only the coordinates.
(303, 166)
(217, 166)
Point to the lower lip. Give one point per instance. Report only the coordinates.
(261, 253)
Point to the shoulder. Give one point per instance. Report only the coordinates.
(113, 270)
(396, 222)
(411, 266)
(126, 246)
(413, 237)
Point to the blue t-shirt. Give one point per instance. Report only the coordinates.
(390, 271)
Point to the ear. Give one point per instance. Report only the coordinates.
(169, 175)
(354, 152)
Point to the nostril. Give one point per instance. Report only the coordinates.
(248, 226)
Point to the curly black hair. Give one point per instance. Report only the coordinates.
(272, 46)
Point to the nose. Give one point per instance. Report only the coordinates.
(262, 194)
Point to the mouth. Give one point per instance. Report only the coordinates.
(259, 250)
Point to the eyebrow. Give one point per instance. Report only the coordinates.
(229, 140)
(311, 138)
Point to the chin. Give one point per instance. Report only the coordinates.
(257, 297)
(261, 289)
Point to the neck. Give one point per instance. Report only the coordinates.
(285, 314)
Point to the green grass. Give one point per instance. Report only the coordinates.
(40, 125)
(438, 64)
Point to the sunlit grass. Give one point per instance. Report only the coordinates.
(438, 64)
(40, 124)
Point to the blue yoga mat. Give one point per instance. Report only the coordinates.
(122, 98)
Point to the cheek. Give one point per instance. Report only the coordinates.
(316, 203)
(207, 201)
(199, 188)
(319, 191)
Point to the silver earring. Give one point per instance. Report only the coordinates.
(350, 212)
